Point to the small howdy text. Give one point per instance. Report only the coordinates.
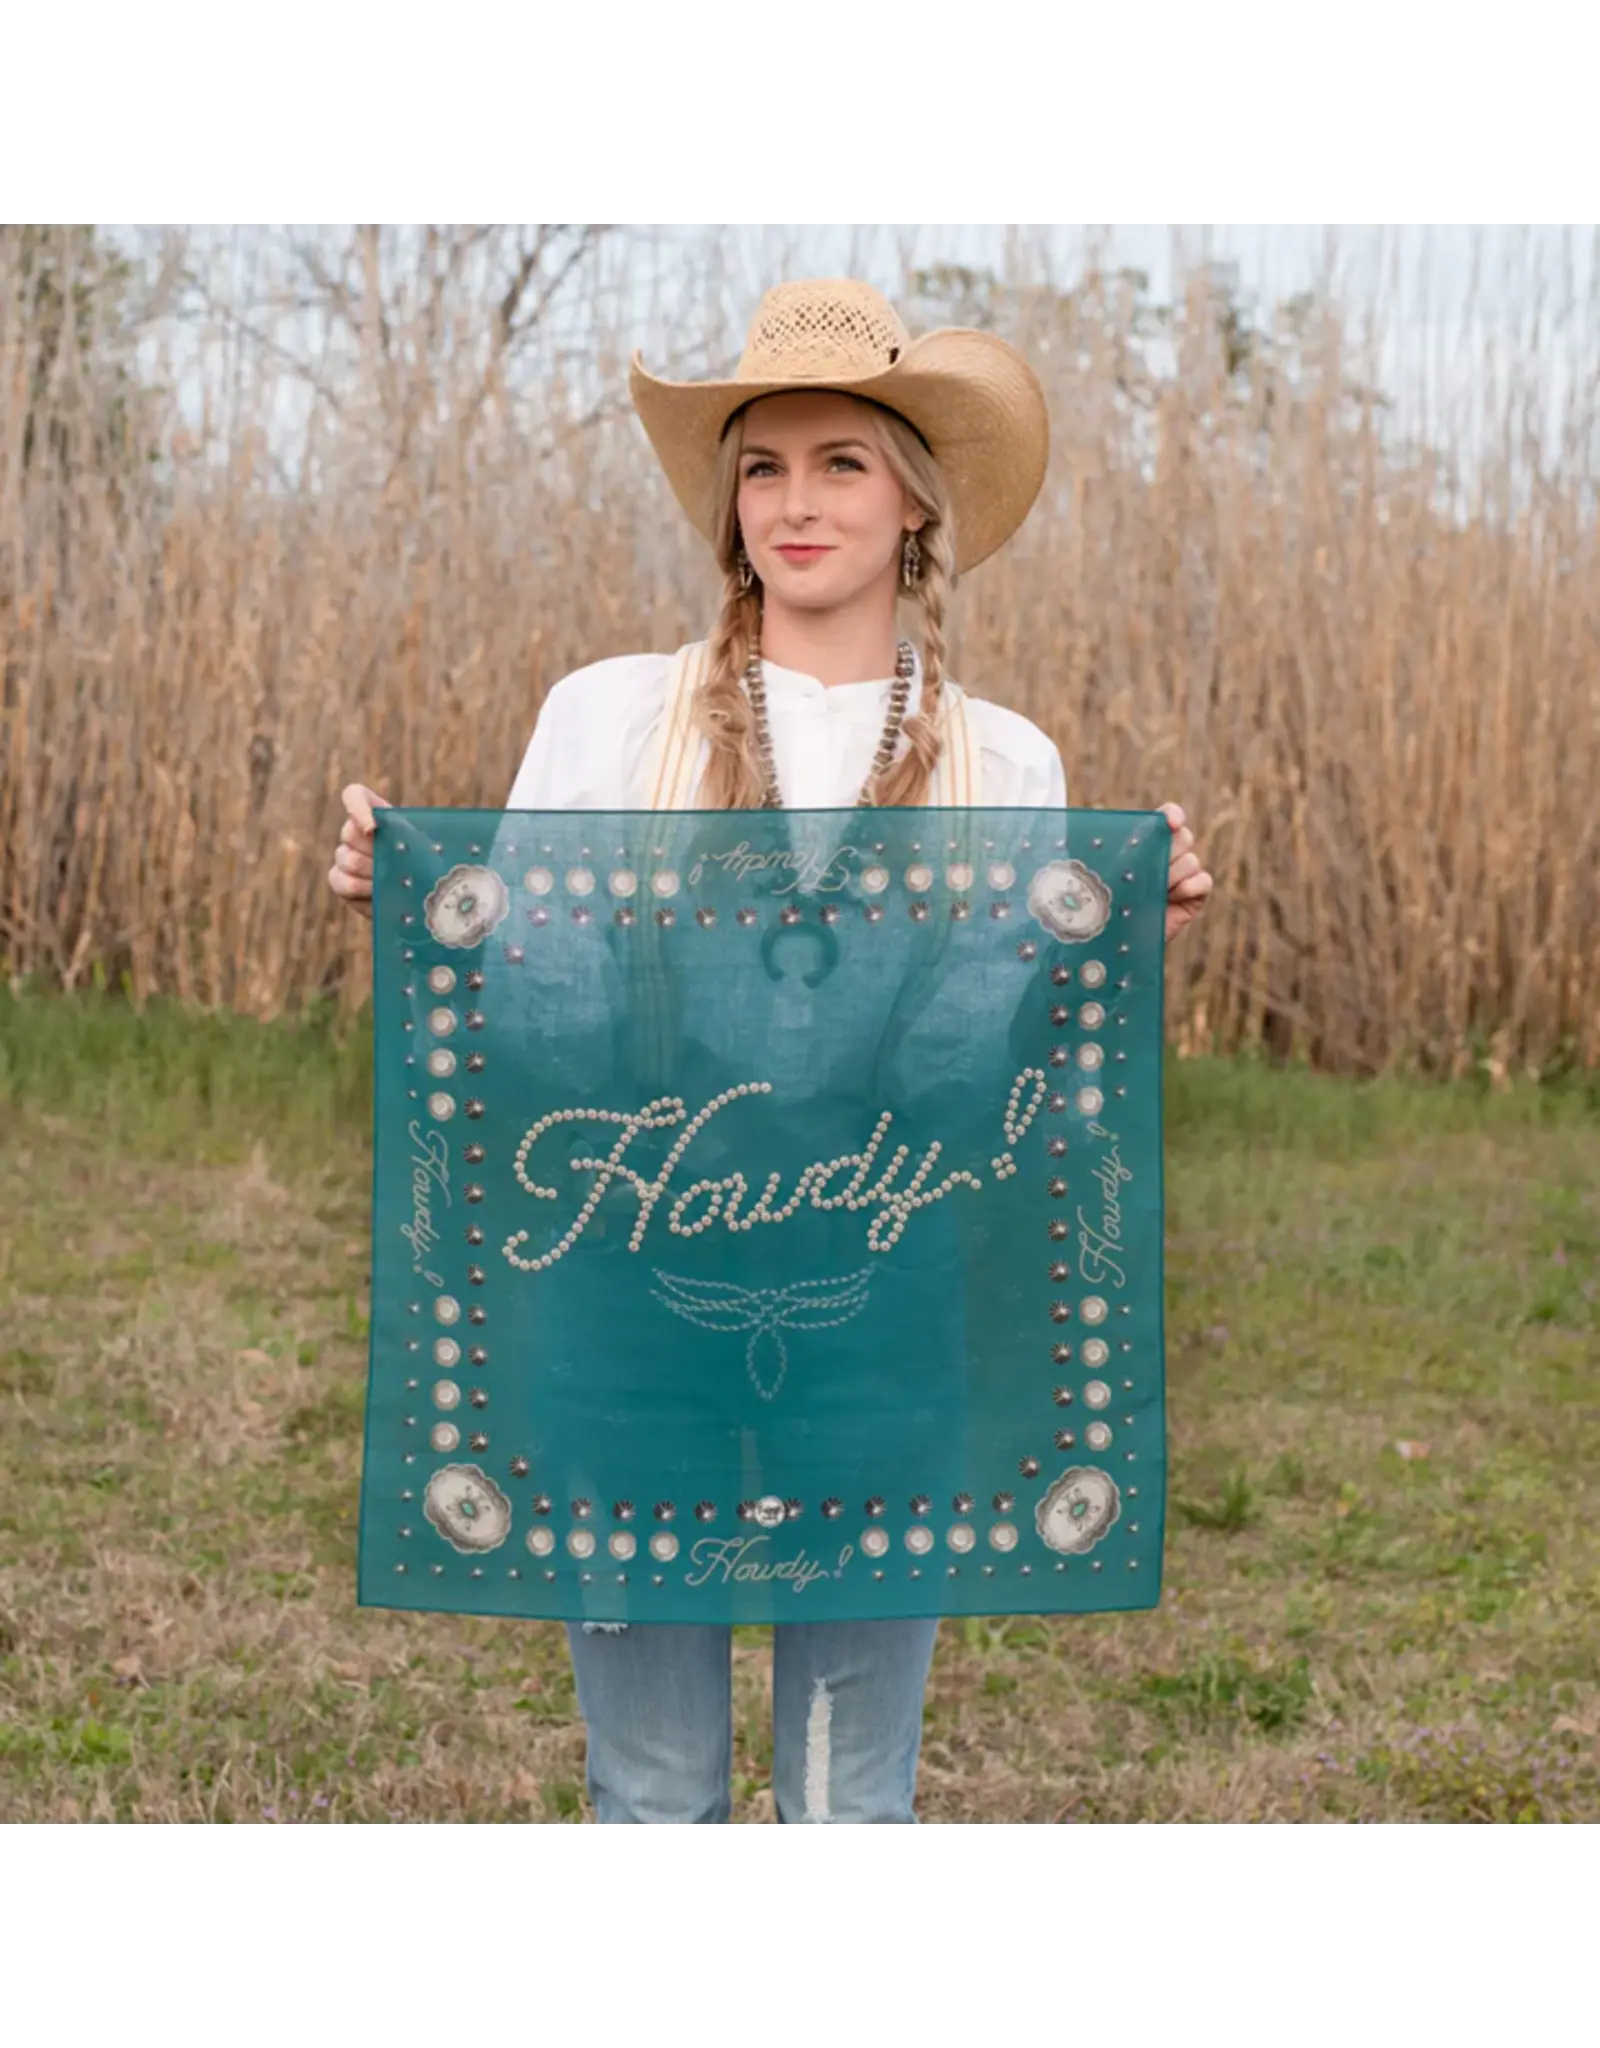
(1098, 1242)
(805, 870)
(430, 1173)
(731, 1556)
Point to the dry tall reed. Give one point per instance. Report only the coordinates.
(345, 512)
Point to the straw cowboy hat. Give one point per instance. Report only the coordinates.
(970, 395)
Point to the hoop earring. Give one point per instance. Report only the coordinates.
(746, 573)
(911, 562)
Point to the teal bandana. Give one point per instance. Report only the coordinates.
(767, 1214)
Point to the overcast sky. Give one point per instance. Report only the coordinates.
(1420, 283)
(1440, 294)
(1421, 280)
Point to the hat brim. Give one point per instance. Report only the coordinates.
(971, 396)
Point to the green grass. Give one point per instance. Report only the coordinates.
(1383, 1582)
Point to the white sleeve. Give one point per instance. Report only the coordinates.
(1055, 779)
(1022, 766)
(590, 736)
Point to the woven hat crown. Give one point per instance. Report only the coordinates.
(970, 395)
(821, 329)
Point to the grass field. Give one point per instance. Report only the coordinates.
(1383, 1579)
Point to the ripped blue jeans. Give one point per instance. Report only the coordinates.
(657, 1699)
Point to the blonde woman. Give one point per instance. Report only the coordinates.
(842, 470)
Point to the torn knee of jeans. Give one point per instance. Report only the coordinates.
(604, 1628)
(819, 1751)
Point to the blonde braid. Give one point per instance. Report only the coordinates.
(907, 782)
(734, 778)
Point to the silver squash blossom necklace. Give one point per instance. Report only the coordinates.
(899, 694)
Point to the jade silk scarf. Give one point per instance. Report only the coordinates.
(767, 1214)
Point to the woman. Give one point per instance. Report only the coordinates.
(841, 468)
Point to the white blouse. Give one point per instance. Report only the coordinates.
(589, 744)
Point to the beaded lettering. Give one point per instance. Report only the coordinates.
(725, 1199)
